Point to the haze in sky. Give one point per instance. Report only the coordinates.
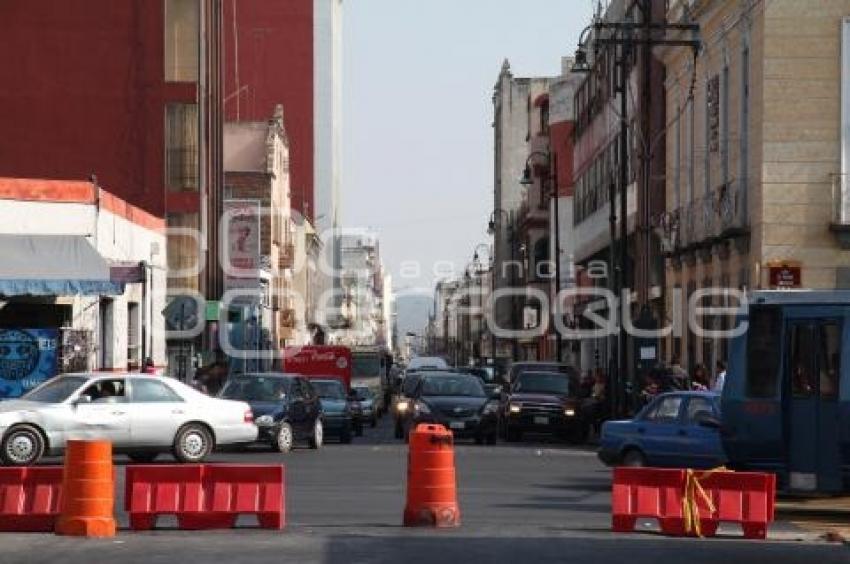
(418, 138)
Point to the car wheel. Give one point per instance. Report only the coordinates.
(399, 431)
(634, 458)
(142, 457)
(578, 435)
(374, 422)
(345, 435)
(358, 430)
(22, 446)
(318, 436)
(491, 438)
(284, 439)
(193, 443)
(512, 435)
(479, 440)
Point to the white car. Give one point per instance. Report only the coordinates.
(142, 415)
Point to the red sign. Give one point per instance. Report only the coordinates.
(784, 276)
(318, 361)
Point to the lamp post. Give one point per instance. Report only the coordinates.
(626, 35)
(528, 180)
(494, 228)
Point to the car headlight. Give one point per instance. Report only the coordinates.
(422, 408)
(402, 406)
(515, 408)
(265, 421)
(570, 412)
(490, 408)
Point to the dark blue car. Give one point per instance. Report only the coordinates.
(286, 408)
(676, 430)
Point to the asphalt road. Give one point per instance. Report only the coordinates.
(536, 502)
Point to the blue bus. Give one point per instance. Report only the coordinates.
(786, 402)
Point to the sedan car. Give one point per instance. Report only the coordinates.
(286, 408)
(543, 402)
(678, 430)
(456, 401)
(366, 398)
(337, 415)
(142, 415)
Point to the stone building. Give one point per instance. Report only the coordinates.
(756, 182)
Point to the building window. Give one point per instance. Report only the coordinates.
(182, 33)
(743, 164)
(677, 159)
(181, 147)
(134, 336)
(712, 95)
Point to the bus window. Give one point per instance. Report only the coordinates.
(829, 361)
(800, 361)
(763, 342)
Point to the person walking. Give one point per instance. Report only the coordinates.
(148, 367)
(700, 381)
(720, 378)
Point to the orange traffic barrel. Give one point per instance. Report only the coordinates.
(88, 490)
(431, 481)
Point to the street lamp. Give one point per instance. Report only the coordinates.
(528, 180)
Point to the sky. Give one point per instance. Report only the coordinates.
(417, 113)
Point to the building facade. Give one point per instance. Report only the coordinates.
(83, 272)
(756, 183)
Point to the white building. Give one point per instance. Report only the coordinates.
(80, 263)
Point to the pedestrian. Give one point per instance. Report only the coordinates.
(148, 366)
(720, 379)
(700, 381)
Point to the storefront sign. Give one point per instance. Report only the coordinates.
(242, 248)
(27, 358)
(785, 277)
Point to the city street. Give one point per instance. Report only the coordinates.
(536, 502)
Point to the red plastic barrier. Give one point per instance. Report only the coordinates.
(205, 496)
(735, 497)
(30, 498)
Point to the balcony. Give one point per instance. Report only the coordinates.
(286, 256)
(840, 223)
(287, 318)
(721, 215)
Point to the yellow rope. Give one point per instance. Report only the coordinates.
(690, 500)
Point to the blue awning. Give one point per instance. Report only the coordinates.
(53, 265)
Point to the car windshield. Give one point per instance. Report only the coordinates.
(452, 386)
(328, 389)
(257, 388)
(542, 383)
(366, 365)
(363, 394)
(409, 384)
(56, 390)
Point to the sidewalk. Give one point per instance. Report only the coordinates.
(827, 517)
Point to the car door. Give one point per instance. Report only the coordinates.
(658, 431)
(700, 445)
(156, 412)
(105, 416)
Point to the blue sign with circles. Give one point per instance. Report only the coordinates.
(28, 357)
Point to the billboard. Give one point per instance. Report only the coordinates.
(28, 357)
(242, 260)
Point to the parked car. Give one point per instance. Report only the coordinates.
(366, 398)
(487, 375)
(142, 415)
(427, 362)
(518, 368)
(679, 430)
(336, 409)
(286, 408)
(543, 402)
(456, 401)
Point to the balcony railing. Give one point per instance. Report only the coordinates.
(722, 214)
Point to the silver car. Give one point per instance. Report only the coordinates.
(143, 416)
